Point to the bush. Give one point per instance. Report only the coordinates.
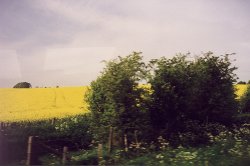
(242, 118)
(245, 101)
(115, 99)
(170, 85)
(23, 85)
(212, 97)
(200, 90)
(72, 132)
(242, 82)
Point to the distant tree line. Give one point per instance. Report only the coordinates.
(28, 85)
(243, 82)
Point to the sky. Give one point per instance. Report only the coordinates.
(62, 42)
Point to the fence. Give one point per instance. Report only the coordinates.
(36, 146)
(34, 142)
(8, 153)
(3, 125)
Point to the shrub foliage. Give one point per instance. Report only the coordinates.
(200, 90)
(182, 89)
(115, 99)
(245, 101)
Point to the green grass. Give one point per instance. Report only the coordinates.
(230, 147)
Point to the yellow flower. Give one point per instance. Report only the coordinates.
(41, 103)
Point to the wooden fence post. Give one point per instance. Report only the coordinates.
(2, 126)
(110, 143)
(206, 121)
(136, 139)
(2, 149)
(100, 154)
(126, 142)
(5, 125)
(53, 121)
(65, 155)
(31, 154)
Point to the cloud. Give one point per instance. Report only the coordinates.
(77, 60)
(9, 65)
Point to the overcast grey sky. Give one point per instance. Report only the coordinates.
(52, 42)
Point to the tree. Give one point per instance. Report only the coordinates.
(212, 96)
(23, 85)
(116, 99)
(200, 90)
(241, 82)
(170, 98)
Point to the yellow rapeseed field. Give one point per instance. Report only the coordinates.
(41, 103)
(45, 103)
(240, 89)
